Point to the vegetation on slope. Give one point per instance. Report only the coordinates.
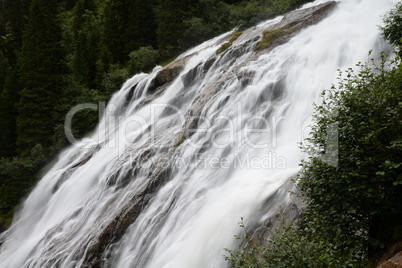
(353, 187)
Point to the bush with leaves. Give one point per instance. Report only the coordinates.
(17, 176)
(352, 185)
(142, 60)
(114, 79)
(352, 179)
(290, 246)
(358, 196)
(392, 31)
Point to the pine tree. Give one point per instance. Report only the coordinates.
(41, 70)
(7, 110)
(8, 113)
(88, 31)
(140, 26)
(114, 21)
(171, 17)
(129, 25)
(12, 19)
(13, 15)
(79, 12)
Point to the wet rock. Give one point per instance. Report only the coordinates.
(246, 78)
(155, 93)
(167, 74)
(208, 64)
(113, 231)
(292, 23)
(193, 115)
(83, 161)
(305, 17)
(130, 94)
(190, 76)
(116, 228)
(287, 211)
(171, 71)
(225, 46)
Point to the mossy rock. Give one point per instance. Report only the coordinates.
(270, 36)
(179, 139)
(234, 36)
(226, 45)
(223, 48)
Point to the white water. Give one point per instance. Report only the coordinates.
(189, 221)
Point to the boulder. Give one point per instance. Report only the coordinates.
(171, 71)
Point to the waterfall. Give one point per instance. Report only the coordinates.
(172, 168)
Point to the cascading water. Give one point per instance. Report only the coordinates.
(164, 180)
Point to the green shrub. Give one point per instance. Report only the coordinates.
(352, 179)
(196, 29)
(114, 79)
(17, 177)
(353, 184)
(291, 247)
(142, 60)
(392, 30)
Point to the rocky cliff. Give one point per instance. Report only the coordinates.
(263, 40)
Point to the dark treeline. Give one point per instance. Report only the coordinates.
(57, 54)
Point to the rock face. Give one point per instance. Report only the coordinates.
(111, 232)
(392, 257)
(394, 262)
(286, 211)
(288, 27)
(171, 71)
(291, 24)
(305, 17)
(114, 230)
(193, 115)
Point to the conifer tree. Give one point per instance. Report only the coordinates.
(7, 110)
(8, 113)
(171, 17)
(79, 12)
(41, 70)
(128, 26)
(87, 31)
(13, 16)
